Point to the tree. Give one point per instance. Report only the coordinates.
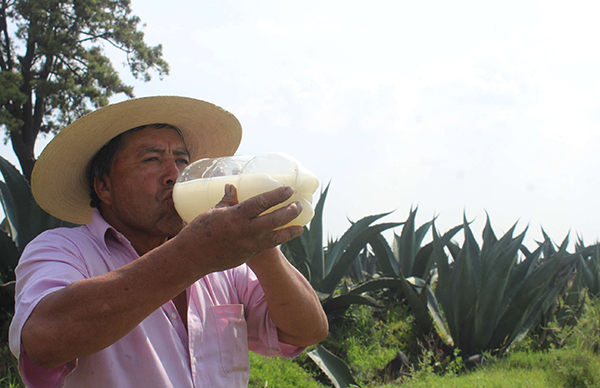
(53, 67)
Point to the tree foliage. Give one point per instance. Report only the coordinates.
(53, 65)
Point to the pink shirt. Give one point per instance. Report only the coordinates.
(227, 316)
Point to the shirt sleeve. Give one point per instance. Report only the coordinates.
(49, 263)
(262, 332)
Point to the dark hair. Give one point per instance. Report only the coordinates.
(101, 162)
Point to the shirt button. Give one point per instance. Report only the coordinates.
(174, 315)
(194, 360)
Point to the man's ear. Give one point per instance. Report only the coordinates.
(103, 189)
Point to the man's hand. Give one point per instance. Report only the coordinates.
(231, 233)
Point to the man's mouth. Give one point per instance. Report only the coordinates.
(168, 198)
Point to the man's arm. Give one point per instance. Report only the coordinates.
(293, 305)
(91, 314)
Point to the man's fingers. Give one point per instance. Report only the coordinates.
(277, 218)
(255, 206)
(281, 236)
(230, 198)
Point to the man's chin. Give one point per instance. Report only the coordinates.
(173, 225)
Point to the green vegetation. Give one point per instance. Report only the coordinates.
(405, 314)
(9, 375)
(559, 368)
(281, 372)
(367, 339)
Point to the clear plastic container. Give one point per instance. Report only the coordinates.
(202, 184)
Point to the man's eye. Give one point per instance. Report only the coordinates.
(152, 159)
(183, 161)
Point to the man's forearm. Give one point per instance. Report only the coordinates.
(293, 305)
(91, 314)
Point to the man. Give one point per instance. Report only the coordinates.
(134, 298)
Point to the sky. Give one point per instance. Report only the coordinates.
(457, 108)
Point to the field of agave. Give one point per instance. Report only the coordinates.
(471, 299)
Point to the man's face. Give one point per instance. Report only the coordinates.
(137, 195)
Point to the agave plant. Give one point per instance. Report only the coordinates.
(564, 309)
(410, 265)
(486, 298)
(590, 266)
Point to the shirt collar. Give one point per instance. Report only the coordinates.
(99, 228)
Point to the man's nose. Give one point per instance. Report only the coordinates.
(171, 172)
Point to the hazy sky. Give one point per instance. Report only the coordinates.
(462, 106)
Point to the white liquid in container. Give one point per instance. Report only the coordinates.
(200, 187)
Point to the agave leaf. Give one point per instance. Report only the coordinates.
(564, 244)
(315, 240)
(423, 260)
(377, 284)
(419, 309)
(520, 309)
(8, 206)
(489, 237)
(594, 263)
(438, 318)
(590, 270)
(360, 238)
(16, 195)
(422, 264)
(334, 367)
(495, 247)
(519, 273)
(296, 251)
(9, 256)
(342, 302)
(548, 246)
(501, 258)
(439, 255)
(347, 239)
(385, 256)
(465, 285)
(406, 245)
(444, 291)
(26, 218)
(545, 302)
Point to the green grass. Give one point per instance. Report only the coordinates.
(281, 373)
(568, 368)
(9, 375)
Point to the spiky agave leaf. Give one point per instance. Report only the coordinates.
(347, 248)
(334, 367)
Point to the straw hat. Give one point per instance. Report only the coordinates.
(58, 181)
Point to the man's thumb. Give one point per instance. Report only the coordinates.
(230, 198)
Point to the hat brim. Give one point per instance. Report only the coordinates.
(58, 181)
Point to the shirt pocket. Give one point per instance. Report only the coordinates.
(232, 334)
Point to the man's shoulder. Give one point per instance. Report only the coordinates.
(62, 236)
(64, 232)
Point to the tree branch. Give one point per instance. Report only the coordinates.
(40, 98)
(93, 37)
(5, 63)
